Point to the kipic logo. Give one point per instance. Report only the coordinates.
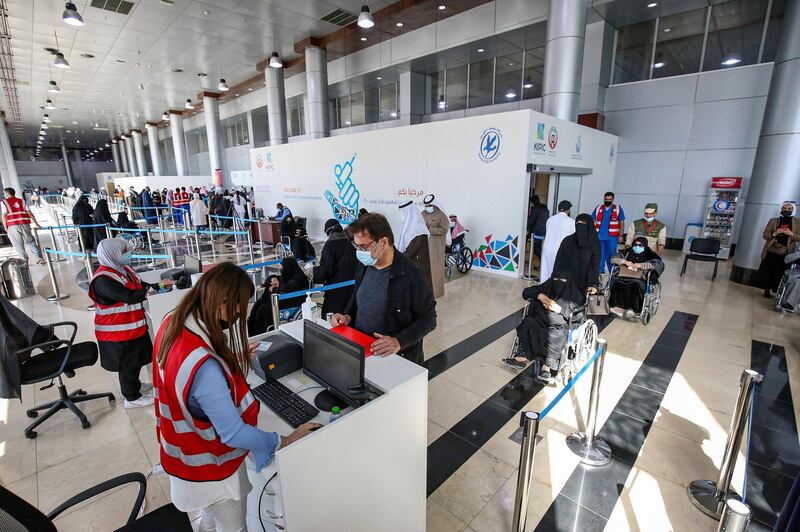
(489, 148)
(552, 138)
(264, 161)
(611, 151)
(259, 161)
(539, 146)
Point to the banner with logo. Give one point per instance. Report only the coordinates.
(475, 166)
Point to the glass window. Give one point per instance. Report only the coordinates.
(679, 43)
(436, 102)
(196, 140)
(481, 83)
(344, 110)
(235, 131)
(388, 105)
(534, 73)
(508, 78)
(371, 105)
(634, 52)
(357, 109)
(456, 91)
(260, 126)
(295, 116)
(333, 113)
(773, 30)
(734, 34)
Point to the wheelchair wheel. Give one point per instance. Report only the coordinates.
(465, 263)
(645, 316)
(586, 343)
(655, 299)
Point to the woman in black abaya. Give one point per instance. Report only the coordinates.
(83, 214)
(291, 279)
(102, 216)
(579, 255)
(627, 293)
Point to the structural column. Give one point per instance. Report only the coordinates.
(138, 148)
(411, 98)
(276, 105)
(155, 147)
(776, 169)
(123, 156)
(128, 143)
(8, 170)
(115, 155)
(566, 26)
(213, 132)
(67, 167)
(317, 125)
(178, 142)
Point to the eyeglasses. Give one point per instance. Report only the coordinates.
(363, 247)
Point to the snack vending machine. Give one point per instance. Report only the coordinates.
(722, 211)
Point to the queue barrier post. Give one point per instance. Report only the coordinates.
(530, 428)
(250, 245)
(149, 235)
(89, 266)
(529, 275)
(591, 449)
(171, 260)
(735, 516)
(276, 310)
(707, 495)
(260, 236)
(80, 238)
(108, 230)
(57, 296)
(55, 244)
(197, 243)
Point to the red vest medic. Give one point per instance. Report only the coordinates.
(16, 212)
(613, 225)
(122, 321)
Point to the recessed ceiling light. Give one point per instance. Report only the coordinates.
(249, 88)
(511, 64)
(667, 30)
(652, 4)
(527, 86)
(121, 61)
(206, 12)
(399, 24)
(347, 123)
(660, 64)
(74, 122)
(236, 94)
(177, 70)
(511, 94)
(731, 61)
(201, 74)
(481, 50)
(363, 38)
(379, 77)
(442, 8)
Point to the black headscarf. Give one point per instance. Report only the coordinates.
(562, 288)
(101, 213)
(124, 222)
(82, 211)
(645, 256)
(578, 256)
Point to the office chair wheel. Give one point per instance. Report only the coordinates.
(31, 435)
(81, 392)
(85, 424)
(32, 413)
(112, 399)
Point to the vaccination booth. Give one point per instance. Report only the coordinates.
(483, 169)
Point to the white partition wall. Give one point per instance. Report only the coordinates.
(477, 166)
(164, 181)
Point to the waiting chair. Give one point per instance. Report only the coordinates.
(58, 357)
(704, 250)
(18, 514)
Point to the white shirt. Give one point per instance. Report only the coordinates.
(559, 226)
(199, 212)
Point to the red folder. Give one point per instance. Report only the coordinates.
(358, 337)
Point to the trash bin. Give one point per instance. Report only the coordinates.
(17, 280)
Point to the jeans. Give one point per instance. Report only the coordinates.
(607, 249)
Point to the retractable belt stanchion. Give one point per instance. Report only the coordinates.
(710, 496)
(735, 517)
(276, 310)
(250, 245)
(57, 296)
(55, 245)
(108, 232)
(592, 450)
(529, 276)
(260, 236)
(197, 242)
(530, 427)
(150, 243)
(87, 257)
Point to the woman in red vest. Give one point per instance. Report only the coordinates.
(205, 413)
(119, 323)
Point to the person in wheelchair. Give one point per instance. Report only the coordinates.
(457, 234)
(635, 263)
(291, 279)
(788, 296)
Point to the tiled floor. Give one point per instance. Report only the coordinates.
(667, 394)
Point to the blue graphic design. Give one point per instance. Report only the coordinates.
(345, 206)
(540, 131)
(578, 145)
(490, 145)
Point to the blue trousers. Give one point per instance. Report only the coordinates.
(607, 249)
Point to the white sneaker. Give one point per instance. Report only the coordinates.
(146, 389)
(139, 403)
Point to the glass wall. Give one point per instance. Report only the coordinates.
(481, 83)
(533, 81)
(508, 78)
(295, 116)
(374, 104)
(455, 90)
(724, 35)
(196, 140)
(235, 131)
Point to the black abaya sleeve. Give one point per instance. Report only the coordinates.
(109, 292)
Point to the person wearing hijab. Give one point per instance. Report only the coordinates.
(83, 214)
(558, 227)
(198, 212)
(302, 249)
(124, 222)
(150, 213)
(288, 229)
(579, 255)
(780, 239)
(543, 332)
(337, 263)
(120, 326)
(413, 239)
(291, 279)
(102, 216)
(438, 225)
(627, 293)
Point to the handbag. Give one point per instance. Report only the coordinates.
(597, 305)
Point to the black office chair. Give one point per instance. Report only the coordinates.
(18, 514)
(58, 357)
(703, 250)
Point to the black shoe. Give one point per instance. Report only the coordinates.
(514, 363)
(544, 376)
(767, 294)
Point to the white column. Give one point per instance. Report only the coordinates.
(411, 97)
(67, 166)
(138, 148)
(178, 142)
(317, 93)
(155, 147)
(276, 105)
(123, 157)
(8, 170)
(213, 132)
(566, 27)
(129, 155)
(115, 156)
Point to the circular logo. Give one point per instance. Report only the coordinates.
(490, 145)
(552, 138)
(259, 161)
(721, 205)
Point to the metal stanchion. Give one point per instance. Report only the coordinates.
(80, 238)
(108, 231)
(276, 309)
(710, 496)
(529, 275)
(530, 427)
(55, 244)
(57, 296)
(592, 450)
(197, 243)
(171, 260)
(735, 517)
(87, 258)
(150, 243)
(250, 246)
(260, 236)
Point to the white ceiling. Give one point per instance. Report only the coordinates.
(223, 38)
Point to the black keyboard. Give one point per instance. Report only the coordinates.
(284, 402)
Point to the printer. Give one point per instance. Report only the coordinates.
(278, 356)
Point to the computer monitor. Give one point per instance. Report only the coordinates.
(192, 265)
(334, 362)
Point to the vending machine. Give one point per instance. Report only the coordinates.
(723, 211)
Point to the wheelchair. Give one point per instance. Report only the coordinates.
(458, 256)
(652, 294)
(794, 262)
(580, 345)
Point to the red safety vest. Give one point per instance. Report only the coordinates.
(122, 321)
(613, 225)
(190, 448)
(16, 212)
(185, 198)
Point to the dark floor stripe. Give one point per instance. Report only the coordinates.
(589, 496)
(457, 445)
(451, 356)
(774, 451)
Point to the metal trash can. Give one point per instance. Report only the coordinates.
(17, 282)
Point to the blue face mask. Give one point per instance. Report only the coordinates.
(649, 218)
(429, 210)
(365, 258)
(638, 249)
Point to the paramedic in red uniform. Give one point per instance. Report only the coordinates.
(205, 412)
(17, 219)
(609, 221)
(119, 323)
